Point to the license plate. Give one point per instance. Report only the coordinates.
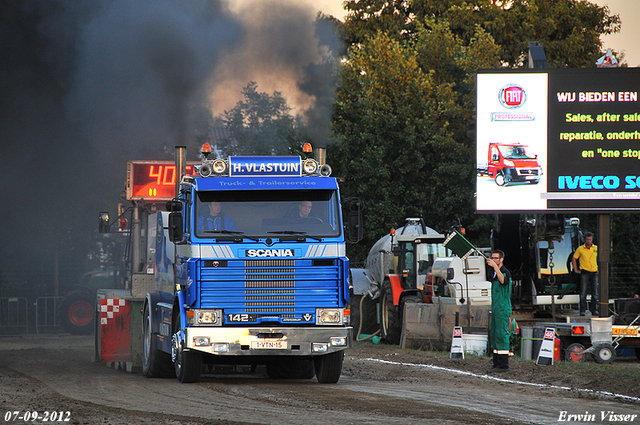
(269, 344)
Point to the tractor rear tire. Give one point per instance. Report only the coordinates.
(390, 317)
(77, 313)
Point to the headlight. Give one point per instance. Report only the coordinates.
(310, 166)
(205, 317)
(338, 341)
(329, 316)
(320, 347)
(508, 163)
(220, 348)
(201, 341)
(219, 166)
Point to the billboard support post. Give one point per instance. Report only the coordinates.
(604, 250)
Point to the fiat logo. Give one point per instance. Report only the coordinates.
(512, 96)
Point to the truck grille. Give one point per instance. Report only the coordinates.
(270, 290)
(528, 172)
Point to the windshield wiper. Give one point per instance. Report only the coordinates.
(226, 232)
(295, 233)
(234, 235)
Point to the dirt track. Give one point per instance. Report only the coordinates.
(380, 385)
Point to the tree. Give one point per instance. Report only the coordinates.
(405, 110)
(402, 117)
(260, 125)
(569, 30)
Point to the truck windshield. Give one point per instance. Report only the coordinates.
(267, 213)
(516, 152)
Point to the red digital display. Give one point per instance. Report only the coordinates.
(153, 180)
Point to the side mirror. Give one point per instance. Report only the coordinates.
(176, 231)
(103, 222)
(354, 222)
(450, 274)
(174, 206)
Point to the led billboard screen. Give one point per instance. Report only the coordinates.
(564, 140)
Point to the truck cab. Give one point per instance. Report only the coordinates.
(513, 163)
(246, 274)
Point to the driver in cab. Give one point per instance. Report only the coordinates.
(216, 219)
(304, 209)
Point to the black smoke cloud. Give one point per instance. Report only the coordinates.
(86, 86)
(142, 66)
(291, 49)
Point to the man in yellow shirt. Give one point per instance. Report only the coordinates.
(588, 271)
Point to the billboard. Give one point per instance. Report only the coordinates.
(558, 140)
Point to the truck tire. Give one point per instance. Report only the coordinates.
(188, 363)
(288, 368)
(329, 367)
(604, 353)
(500, 179)
(76, 313)
(155, 363)
(575, 353)
(390, 318)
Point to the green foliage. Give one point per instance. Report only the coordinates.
(260, 125)
(405, 110)
(403, 116)
(569, 30)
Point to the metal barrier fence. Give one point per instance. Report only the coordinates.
(14, 313)
(47, 312)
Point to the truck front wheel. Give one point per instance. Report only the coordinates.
(500, 180)
(329, 367)
(188, 363)
(155, 363)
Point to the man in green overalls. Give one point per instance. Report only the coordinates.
(500, 279)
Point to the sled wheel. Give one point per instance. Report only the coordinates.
(575, 353)
(604, 353)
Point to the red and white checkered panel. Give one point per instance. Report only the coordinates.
(109, 306)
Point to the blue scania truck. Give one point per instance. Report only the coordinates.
(250, 269)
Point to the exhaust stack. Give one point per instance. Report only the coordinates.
(181, 166)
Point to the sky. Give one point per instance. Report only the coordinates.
(629, 11)
(627, 38)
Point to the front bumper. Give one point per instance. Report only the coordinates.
(282, 340)
(523, 174)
